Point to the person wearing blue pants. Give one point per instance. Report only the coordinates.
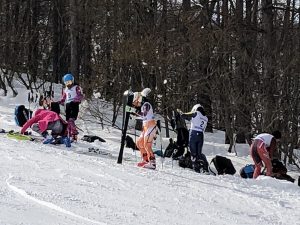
(199, 121)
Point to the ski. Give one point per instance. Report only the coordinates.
(126, 116)
(22, 137)
(96, 152)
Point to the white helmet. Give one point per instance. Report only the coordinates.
(138, 96)
(195, 107)
(146, 92)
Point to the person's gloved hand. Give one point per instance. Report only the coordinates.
(179, 111)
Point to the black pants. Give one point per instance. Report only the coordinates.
(72, 109)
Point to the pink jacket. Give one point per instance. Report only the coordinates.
(42, 117)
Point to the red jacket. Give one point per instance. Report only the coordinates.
(42, 117)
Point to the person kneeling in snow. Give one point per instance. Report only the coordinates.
(44, 120)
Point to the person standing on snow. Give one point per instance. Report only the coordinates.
(144, 143)
(72, 96)
(199, 121)
(262, 149)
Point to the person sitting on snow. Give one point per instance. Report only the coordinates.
(199, 121)
(44, 120)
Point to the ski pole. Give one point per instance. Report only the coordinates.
(135, 144)
(29, 101)
(234, 143)
(160, 137)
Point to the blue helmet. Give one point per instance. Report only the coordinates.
(68, 77)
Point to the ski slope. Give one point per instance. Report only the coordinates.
(51, 185)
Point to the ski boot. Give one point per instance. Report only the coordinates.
(142, 164)
(144, 161)
(151, 164)
(74, 138)
(67, 141)
(48, 139)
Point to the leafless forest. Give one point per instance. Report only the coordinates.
(239, 58)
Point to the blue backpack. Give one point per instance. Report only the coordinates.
(247, 171)
(22, 115)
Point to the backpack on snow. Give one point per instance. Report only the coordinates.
(129, 143)
(280, 171)
(186, 161)
(170, 148)
(22, 115)
(223, 165)
(247, 171)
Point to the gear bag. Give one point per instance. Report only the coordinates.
(170, 148)
(280, 171)
(223, 165)
(129, 143)
(186, 161)
(22, 115)
(247, 171)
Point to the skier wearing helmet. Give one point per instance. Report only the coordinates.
(144, 109)
(199, 121)
(72, 96)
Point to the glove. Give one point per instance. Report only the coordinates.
(179, 111)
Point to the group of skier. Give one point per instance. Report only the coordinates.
(45, 119)
(261, 149)
(144, 111)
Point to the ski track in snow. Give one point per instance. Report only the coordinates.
(47, 204)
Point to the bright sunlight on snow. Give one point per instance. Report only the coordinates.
(51, 184)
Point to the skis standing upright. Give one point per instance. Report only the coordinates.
(126, 115)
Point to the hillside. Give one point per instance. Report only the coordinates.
(46, 184)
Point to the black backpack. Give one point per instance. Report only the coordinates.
(247, 171)
(129, 143)
(280, 171)
(186, 161)
(170, 149)
(22, 115)
(278, 167)
(223, 165)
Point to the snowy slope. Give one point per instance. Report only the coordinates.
(44, 184)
